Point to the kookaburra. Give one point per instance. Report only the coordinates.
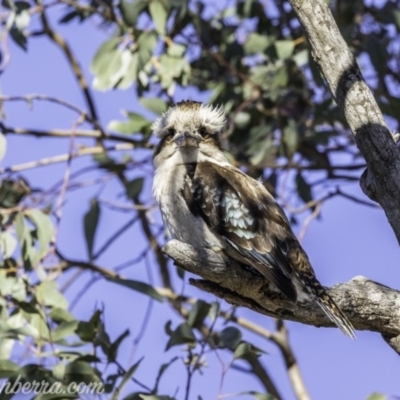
(208, 203)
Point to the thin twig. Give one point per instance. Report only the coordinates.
(281, 339)
(84, 151)
(29, 98)
(308, 221)
(67, 174)
(115, 236)
(60, 41)
(145, 223)
(67, 133)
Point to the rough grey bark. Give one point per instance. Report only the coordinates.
(369, 305)
(381, 181)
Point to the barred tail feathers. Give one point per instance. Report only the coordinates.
(328, 306)
(335, 314)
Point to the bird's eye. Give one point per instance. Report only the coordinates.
(171, 133)
(203, 131)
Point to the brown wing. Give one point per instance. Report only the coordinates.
(240, 210)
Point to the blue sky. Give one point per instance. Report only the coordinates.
(348, 240)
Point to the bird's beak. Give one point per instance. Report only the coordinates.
(186, 139)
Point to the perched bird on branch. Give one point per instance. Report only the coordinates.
(208, 203)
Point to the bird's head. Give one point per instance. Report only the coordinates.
(191, 129)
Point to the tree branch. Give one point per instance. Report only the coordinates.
(67, 133)
(340, 69)
(369, 305)
(84, 151)
(77, 70)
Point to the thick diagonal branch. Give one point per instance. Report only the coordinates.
(352, 95)
(369, 305)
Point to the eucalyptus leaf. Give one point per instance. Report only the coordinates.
(140, 287)
(8, 369)
(377, 396)
(246, 351)
(159, 14)
(48, 294)
(44, 230)
(154, 104)
(130, 10)
(181, 335)
(256, 43)
(102, 56)
(90, 222)
(230, 337)
(146, 45)
(198, 313)
(136, 123)
(8, 244)
(284, 48)
(134, 188)
(126, 377)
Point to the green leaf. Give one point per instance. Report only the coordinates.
(259, 396)
(70, 16)
(159, 15)
(256, 43)
(101, 58)
(25, 238)
(44, 230)
(131, 73)
(182, 334)
(303, 188)
(130, 10)
(111, 65)
(19, 38)
(291, 137)
(113, 71)
(284, 48)
(12, 192)
(59, 371)
(214, 311)
(377, 396)
(112, 353)
(158, 106)
(176, 50)
(60, 315)
(301, 58)
(198, 313)
(81, 372)
(8, 369)
(63, 330)
(230, 338)
(136, 123)
(134, 188)
(8, 244)
(127, 376)
(140, 287)
(22, 17)
(91, 221)
(246, 351)
(6, 348)
(86, 331)
(242, 120)
(154, 397)
(48, 294)
(161, 371)
(146, 44)
(263, 153)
